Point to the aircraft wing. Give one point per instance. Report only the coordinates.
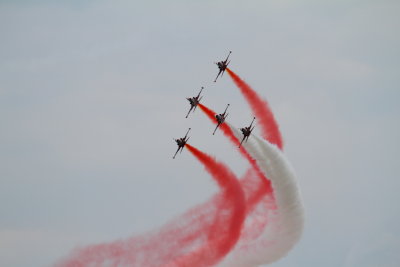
(216, 128)
(251, 129)
(189, 111)
(218, 75)
(200, 92)
(244, 137)
(176, 153)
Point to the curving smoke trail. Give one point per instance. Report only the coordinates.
(269, 126)
(260, 202)
(283, 223)
(201, 237)
(251, 221)
(263, 185)
(228, 222)
(286, 226)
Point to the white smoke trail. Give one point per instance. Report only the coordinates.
(285, 228)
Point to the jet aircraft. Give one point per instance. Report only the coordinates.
(222, 65)
(194, 101)
(181, 142)
(220, 118)
(246, 131)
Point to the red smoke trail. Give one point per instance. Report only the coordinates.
(200, 237)
(261, 109)
(265, 186)
(256, 186)
(227, 227)
(203, 235)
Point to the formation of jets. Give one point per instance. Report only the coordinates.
(220, 118)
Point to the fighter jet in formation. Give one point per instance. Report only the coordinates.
(222, 65)
(221, 118)
(246, 131)
(194, 101)
(181, 142)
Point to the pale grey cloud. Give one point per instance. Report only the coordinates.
(82, 84)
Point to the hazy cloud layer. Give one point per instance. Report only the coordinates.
(92, 93)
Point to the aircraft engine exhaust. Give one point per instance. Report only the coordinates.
(261, 109)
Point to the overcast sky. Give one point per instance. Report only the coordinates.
(92, 93)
